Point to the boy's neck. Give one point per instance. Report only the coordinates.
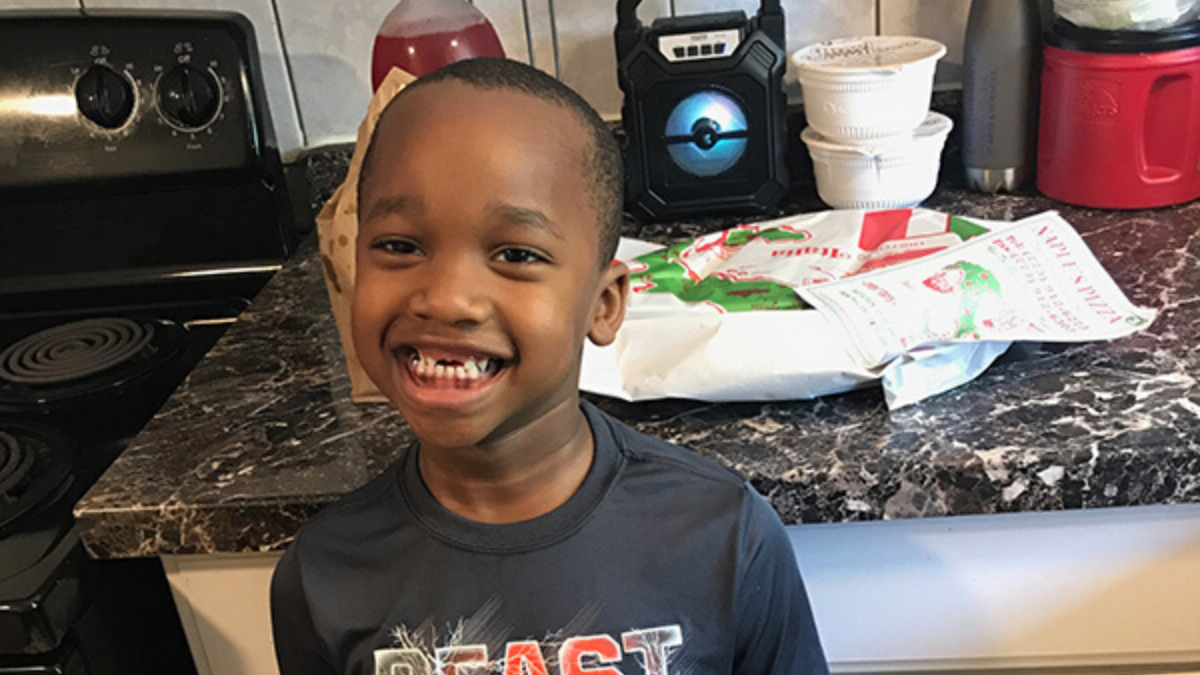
(519, 477)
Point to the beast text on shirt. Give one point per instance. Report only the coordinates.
(580, 655)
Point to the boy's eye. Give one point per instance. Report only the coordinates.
(396, 246)
(520, 256)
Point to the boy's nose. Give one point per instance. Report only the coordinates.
(451, 292)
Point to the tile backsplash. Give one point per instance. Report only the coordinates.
(316, 53)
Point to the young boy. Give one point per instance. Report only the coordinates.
(526, 532)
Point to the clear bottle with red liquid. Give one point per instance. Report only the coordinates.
(421, 36)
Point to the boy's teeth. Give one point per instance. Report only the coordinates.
(470, 369)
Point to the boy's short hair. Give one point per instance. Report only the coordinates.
(603, 165)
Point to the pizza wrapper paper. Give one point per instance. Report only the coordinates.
(337, 234)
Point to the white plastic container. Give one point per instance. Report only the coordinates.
(897, 174)
(858, 90)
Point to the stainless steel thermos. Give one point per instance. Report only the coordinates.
(1000, 92)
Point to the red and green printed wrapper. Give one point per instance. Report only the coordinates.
(762, 266)
(816, 304)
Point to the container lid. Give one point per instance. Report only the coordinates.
(869, 53)
(1066, 35)
(935, 127)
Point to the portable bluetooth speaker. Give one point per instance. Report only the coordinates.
(703, 112)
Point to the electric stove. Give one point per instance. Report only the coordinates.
(142, 206)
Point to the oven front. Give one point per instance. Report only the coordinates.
(142, 206)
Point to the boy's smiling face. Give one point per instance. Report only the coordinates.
(478, 271)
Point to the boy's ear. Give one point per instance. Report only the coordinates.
(609, 309)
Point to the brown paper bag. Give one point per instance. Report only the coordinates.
(337, 232)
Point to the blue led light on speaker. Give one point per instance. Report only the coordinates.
(706, 133)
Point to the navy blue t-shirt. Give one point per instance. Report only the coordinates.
(663, 561)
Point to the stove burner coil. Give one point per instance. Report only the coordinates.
(35, 469)
(15, 463)
(74, 350)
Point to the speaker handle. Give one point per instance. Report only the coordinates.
(772, 23)
(770, 7)
(627, 15)
(628, 27)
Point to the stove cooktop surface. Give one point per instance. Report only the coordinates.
(97, 376)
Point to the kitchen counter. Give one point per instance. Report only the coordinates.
(263, 433)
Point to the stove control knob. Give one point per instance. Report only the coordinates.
(189, 98)
(105, 97)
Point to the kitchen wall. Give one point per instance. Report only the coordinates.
(316, 53)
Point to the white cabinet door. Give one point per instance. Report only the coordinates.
(276, 79)
(1088, 591)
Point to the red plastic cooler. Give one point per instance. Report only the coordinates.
(1120, 117)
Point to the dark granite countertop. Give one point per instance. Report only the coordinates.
(263, 433)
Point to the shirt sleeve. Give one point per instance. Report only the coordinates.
(298, 648)
(776, 632)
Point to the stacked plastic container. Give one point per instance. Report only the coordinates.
(872, 138)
